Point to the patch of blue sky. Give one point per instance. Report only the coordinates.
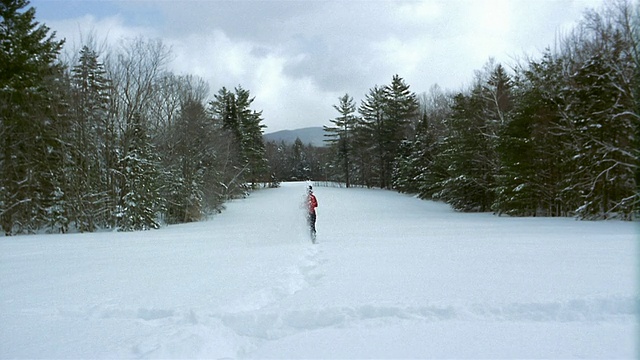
(133, 13)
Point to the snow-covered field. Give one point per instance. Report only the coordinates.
(391, 277)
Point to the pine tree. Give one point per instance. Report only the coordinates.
(601, 116)
(224, 107)
(140, 197)
(407, 170)
(341, 136)
(89, 173)
(464, 170)
(244, 125)
(415, 165)
(417, 172)
(252, 143)
(387, 114)
(56, 163)
(402, 111)
(464, 149)
(533, 155)
(28, 56)
(370, 138)
(299, 161)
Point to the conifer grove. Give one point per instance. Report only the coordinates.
(114, 140)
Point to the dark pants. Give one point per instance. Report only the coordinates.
(311, 218)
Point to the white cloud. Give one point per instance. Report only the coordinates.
(285, 101)
(212, 53)
(298, 57)
(105, 32)
(404, 56)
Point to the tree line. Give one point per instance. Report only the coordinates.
(296, 162)
(556, 136)
(114, 140)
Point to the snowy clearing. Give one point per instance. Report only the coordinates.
(391, 277)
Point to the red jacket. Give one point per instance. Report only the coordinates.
(313, 203)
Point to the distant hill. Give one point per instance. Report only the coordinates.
(310, 135)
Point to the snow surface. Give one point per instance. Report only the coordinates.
(391, 277)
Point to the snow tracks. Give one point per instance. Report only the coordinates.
(291, 319)
(391, 277)
(235, 330)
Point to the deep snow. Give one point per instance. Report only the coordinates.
(391, 277)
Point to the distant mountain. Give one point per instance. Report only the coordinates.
(310, 135)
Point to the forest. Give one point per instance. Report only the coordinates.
(555, 136)
(115, 140)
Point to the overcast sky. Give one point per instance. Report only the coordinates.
(298, 56)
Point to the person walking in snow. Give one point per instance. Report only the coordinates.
(312, 204)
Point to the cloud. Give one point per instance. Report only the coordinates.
(284, 100)
(105, 31)
(298, 57)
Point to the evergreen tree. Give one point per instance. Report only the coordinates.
(341, 136)
(233, 110)
(55, 164)
(532, 152)
(603, 127)
(468, 161)
(408, 169)
(419, 172)
(370, 138)
(140, 188)
(364, 170)
(415, 165)
(252, 143)
(28, 56)
(299, 162)
(387, 114)
(464, 152)
(225, 108)
(89, 174)
(401, 108)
